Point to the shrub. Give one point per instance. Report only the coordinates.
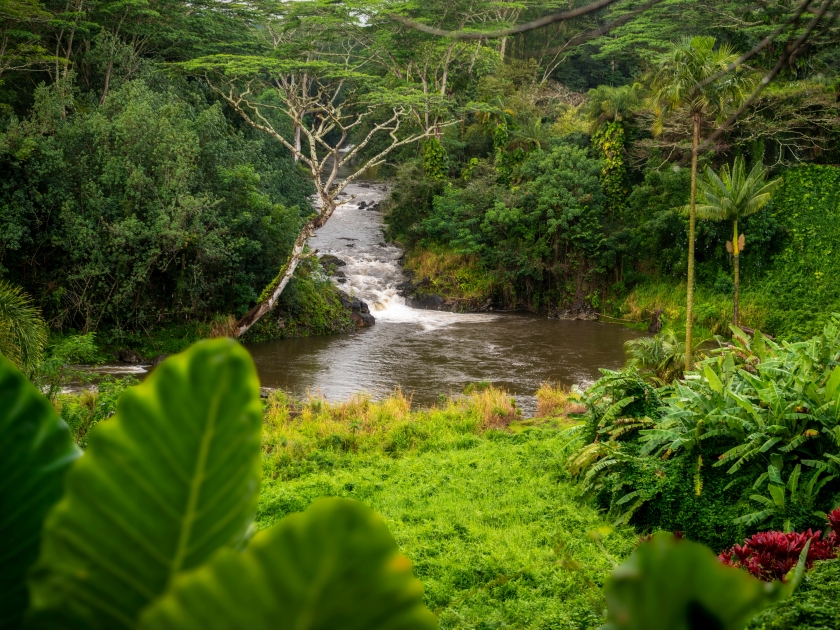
(771, 555)
(689, 456)
(814, 605)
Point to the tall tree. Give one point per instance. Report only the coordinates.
(733, 195)
(20, 45)
(692, 79)
(333, 106)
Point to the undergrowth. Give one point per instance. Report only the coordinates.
(712, 309)
(451, 275)
(814, 606)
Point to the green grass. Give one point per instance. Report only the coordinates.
(712, 310)
(487, 515)
(453, 276)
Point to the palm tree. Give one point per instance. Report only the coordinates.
(731, 196)
(23, 333)
(693, 78)
(606, 103)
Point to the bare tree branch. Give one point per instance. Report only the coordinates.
(522, 28)
(768, 78)
(757, 48)
(582, 38)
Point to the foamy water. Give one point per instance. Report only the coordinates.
(355, 235)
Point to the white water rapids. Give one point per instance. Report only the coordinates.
(354, 234)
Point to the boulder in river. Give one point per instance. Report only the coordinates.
(363, 320)
(331, 263)
(359, 311)
(129, 356)
(580, 310)
(428, 302)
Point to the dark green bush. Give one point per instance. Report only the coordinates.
(814, 606)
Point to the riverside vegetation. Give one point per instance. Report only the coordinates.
(180, 552)
(159, 163)
(514, 521)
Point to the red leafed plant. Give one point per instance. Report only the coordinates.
(771, 555)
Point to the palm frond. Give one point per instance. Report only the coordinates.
(23, 333)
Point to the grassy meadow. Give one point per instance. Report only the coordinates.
(477, 497)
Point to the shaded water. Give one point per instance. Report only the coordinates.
(427, 353)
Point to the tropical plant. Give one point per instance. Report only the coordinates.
(611, 104)
(607, 108)
(771, 555)
(23, 333)
(154, 528)
(777, 403)
(661, 356)
(734, 195)
(618, 405)
(787, 500)
(694, 76)
(530, 135)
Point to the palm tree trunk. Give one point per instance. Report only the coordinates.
(692, 223)
(736, 252)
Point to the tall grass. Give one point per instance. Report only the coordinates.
(451, 275)
(557, 401)
(712, 311)
(298, 435)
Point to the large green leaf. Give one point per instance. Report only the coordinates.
(35, 451)
(672, 584)
(333, 566)
(169, 480)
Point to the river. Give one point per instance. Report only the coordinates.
(426, 353)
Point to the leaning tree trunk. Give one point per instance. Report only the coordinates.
(272, 293)
(692, 222)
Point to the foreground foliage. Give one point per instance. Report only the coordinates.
(673, 584)
(157, 511)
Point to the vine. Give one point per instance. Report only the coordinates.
(610, 140)
(434, 160)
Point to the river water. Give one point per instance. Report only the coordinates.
(426, 353)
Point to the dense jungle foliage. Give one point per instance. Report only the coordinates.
(135, 195)
(161, 166)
